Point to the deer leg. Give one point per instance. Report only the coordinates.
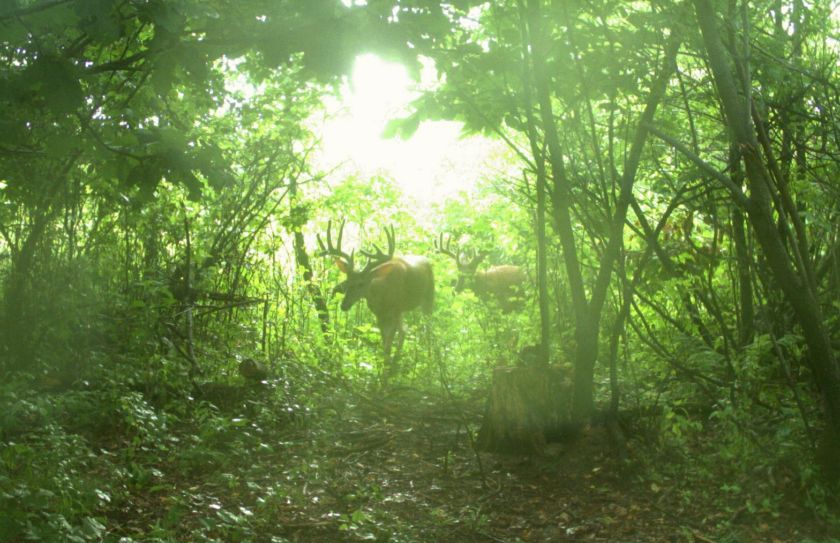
(387, 328)
(400, 331)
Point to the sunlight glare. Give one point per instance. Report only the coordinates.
(432, 164)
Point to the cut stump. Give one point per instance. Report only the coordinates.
(525, 404)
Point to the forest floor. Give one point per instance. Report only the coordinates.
(429, 485)
(401, 468)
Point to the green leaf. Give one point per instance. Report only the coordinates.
(403, 128)
(98, 21)
(146, 177)
(92, 528)
(163, 74)
(11, 132)
(57, 145)
(55, 80)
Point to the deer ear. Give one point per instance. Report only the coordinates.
(342, 265)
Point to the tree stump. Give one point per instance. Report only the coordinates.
(525, 404)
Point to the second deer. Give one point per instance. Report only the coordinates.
(504, 283)
(391, 285)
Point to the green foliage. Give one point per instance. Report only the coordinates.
(54, 483)
(158, 213)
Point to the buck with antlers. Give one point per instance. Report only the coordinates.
(391, 285)
(504, 283)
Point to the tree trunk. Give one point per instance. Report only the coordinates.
(19, 321)
(525, 405)
(302, 259)
(586, 334)
(794, 282)
(541, 190)
(746, 311)
(588, 313)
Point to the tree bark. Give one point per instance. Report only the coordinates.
(541, 189)
(588, 313)
(746, 310)
(302, 260)
(526, 404)
(794, 283)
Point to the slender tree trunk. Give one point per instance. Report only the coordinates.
(302, 259)
(17, 334)
(542, 275)
(746, 311)
(794, 283)
(588, 314)
(541, 189)
(586, 337)
(17, 323)
(190, 296)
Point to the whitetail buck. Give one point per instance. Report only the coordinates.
(504, 284)
(391, 285)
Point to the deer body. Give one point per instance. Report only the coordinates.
(501, 283)
(400, 285)
(504, 283)
(397, 286)
(390, 285)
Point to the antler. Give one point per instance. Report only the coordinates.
(461, 258)
(474, 259)
(446, 248)
(335, 250)
(379, 257)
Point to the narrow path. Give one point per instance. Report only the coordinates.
(402, 469)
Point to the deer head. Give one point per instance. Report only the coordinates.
(356, 285)
(466, 262)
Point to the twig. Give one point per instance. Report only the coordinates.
(796, 397)
(22, 12)
(444, 381)
(207, 309)
(700, 537)
(491, 536)
(188, 288)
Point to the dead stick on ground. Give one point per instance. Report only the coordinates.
(444, 381)
(699, 537)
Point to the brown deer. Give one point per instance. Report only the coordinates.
(504, 284)
(391, 285)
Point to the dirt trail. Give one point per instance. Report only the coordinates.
(402, 469)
